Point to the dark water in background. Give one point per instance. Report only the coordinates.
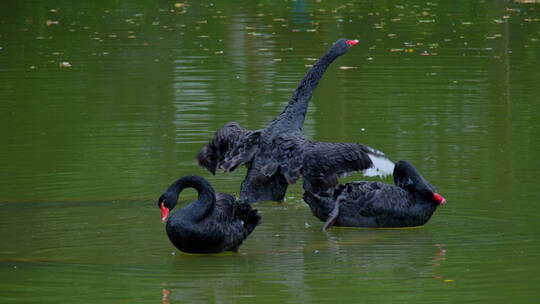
(105, 103)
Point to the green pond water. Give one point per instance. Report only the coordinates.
(104, 103)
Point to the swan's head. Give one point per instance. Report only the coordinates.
(407, 177)
(166, 203)
(342, 46)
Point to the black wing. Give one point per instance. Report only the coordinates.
(234, 220)
(230, 145)
(286, 154)
(229, 210)
(243, 151)
(325, 162)
(377, 204)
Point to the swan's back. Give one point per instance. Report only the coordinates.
(371, 204)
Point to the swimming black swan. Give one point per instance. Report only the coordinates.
(276, 155)
(411, 202)
(214, 223)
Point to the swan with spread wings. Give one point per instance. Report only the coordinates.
(278, 154)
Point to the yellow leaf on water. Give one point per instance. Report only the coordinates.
(448, 281)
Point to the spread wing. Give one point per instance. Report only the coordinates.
(243, 151)
(286, 154)
(325, 162)
(230, 147)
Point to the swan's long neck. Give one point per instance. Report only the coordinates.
(295, 111)
(206, 199)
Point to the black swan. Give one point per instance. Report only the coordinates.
(276, 155)
(214, 223)
(411, 202)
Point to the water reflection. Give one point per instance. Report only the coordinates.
(297, 262)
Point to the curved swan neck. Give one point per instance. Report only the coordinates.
(297, 107)
(204, 188)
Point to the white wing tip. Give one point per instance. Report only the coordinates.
(382, 166)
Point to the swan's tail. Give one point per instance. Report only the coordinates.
(249, 216)
(382, 166)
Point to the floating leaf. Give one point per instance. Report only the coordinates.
(65, 64)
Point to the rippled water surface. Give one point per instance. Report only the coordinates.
(105, 103)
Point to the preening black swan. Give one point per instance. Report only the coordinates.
(411, 202)
(214, 223)
(276, 155)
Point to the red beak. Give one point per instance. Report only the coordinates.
(164, 212)
(352, 42)
(439, 198)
